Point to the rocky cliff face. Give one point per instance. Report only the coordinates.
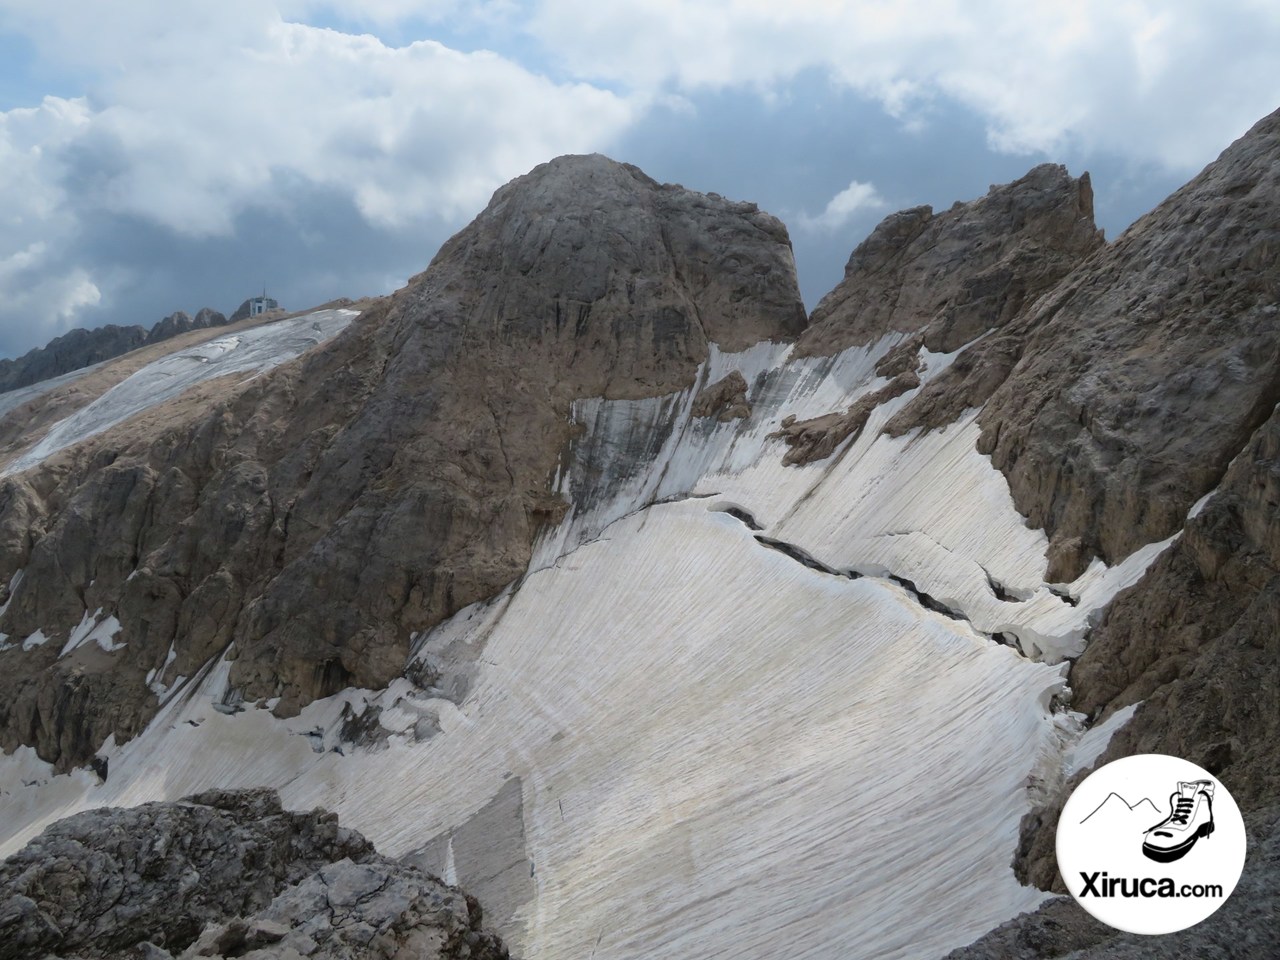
(941, 282)
(83, 348)
(226, 874)
(1197, 643)
(1145, 374)
(307, 523)
(951, 277)
(1152, 382)
(1119, 387)
(71, 351)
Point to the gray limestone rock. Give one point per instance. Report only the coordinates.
(178, 323)
(942, 281)
(71, 351)
(1198, 642)
(357, 911)
(1148, 369)
(952, 276)
(226, 874)
(100, 882)
(817, 438)
(1152, 381)
(726, 399)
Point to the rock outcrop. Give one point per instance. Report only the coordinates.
(941, 281)
(951, 277)
(71, 351)
(1149, 382)
(226, 874)
(178, 323)
(1147, 371)
(726, 399)
(1197, 642)
(306, 523)
(1116, 400)
(818, 437)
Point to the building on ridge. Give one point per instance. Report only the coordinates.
(260, 305)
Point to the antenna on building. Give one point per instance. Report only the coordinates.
(262, 304)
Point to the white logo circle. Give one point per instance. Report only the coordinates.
(1150, 844)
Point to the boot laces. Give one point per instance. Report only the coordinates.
(1183, 810)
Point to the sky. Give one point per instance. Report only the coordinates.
(158, 157)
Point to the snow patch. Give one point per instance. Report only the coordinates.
(90, 629)
(155, 678)
(14, 582)
(36, 639)
(1094, 741)
(684, 709)
(12, 399)
(1200, 504)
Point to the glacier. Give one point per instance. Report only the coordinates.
(733, 708)
(248, 351)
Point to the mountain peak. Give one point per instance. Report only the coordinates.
(954, 275)
(1116, 806)
(583, 248)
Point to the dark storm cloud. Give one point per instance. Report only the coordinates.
(313, 247)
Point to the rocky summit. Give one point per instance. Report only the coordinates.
(587, 573)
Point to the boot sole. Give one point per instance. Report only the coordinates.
(1169, 854)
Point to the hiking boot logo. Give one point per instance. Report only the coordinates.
(1190, 818)
(1126, 857)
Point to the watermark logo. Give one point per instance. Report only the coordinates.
(1150, 844)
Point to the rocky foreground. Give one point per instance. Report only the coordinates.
(226, 874)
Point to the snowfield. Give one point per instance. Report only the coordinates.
(673, 737)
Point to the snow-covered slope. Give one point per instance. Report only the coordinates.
(734, 709)
(255, 349)
(12, 399)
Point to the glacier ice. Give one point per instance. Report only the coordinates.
(713, 749)
(255, 349)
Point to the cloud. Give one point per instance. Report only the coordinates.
(194, 120)
(853, 200)
(38, 289)
(48, 297)
(410, 131)
(1163, 82)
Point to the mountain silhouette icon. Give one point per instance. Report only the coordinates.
(1117, 807)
